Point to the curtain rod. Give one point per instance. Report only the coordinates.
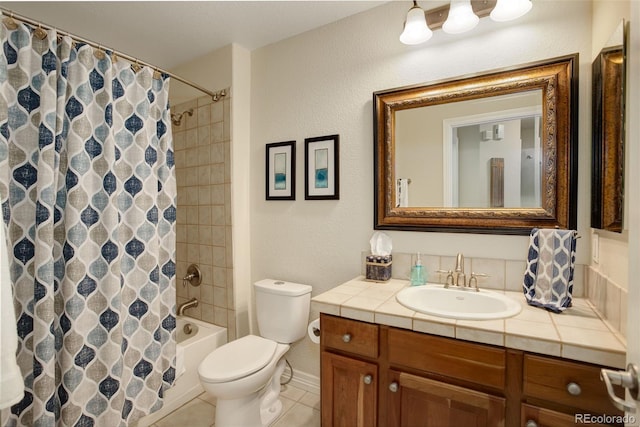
(216, 96)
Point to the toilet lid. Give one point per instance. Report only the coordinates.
(237, 359)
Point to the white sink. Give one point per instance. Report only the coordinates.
(464, 304)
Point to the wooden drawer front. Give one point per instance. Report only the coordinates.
(456, 359)
(349, 335)
(548, 418)
(549, 379)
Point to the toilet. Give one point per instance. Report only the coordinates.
(244, 375)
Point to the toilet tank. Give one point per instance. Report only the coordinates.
(282, 309)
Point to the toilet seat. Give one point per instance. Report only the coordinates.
(237, 359)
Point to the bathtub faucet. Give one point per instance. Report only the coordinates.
(193, 302)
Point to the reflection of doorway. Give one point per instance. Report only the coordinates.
(471, 142)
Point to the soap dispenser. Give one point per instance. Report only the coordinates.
(418, 275)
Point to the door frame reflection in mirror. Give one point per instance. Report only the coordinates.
(558, 80)
(454, 166)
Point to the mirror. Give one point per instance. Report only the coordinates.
(607, 179)
(492, 153)
(503, 130)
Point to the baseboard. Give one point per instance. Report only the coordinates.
(303, 380)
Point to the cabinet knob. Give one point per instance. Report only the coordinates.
(368, 379)
(346, 337)
(531, 423)
(393, 387)
(574, 389)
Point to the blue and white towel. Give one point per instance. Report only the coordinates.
(548, 280)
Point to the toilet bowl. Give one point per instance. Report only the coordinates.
(244, 375)
(247, 388)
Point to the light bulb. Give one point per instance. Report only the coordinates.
(506, 10)
(461, 17)
(416, 30)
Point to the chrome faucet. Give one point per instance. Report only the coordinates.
(193, 302)
(459, 271)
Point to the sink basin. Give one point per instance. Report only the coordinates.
(458, 303)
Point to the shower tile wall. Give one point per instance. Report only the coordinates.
(202, 158)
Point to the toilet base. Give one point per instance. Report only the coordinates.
(259, 409)
(269, 415)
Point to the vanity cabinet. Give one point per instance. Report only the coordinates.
(376, 375)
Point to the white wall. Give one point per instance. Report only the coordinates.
(240, 186)
(418, 150)
(321, 82)
(212, 71)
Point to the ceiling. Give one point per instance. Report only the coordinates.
(169, 33)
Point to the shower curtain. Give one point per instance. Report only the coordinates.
(88, 198)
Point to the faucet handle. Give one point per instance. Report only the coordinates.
(473, 280)
(194, 276)
(449, 280)
(473, 273)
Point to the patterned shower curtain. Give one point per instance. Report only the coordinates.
(88, 198)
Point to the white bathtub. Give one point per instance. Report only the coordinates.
(203, 339)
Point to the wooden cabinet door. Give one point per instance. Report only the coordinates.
(349, 391)
(422, 402)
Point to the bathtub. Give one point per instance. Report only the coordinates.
(196, 339)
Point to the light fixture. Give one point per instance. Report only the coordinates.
(415, 30)
(506, 10)
(461, 17)
(458, 16)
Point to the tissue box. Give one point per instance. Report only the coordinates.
(378, 268)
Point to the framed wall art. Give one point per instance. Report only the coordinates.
(321, 174)
(280, 171)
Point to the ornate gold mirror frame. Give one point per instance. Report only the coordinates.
(607, 175)
(557, 79)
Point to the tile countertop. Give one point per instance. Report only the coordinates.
(578, 333)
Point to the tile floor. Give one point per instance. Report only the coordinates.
(300, 408)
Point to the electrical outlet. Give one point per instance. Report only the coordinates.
(595, 248)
